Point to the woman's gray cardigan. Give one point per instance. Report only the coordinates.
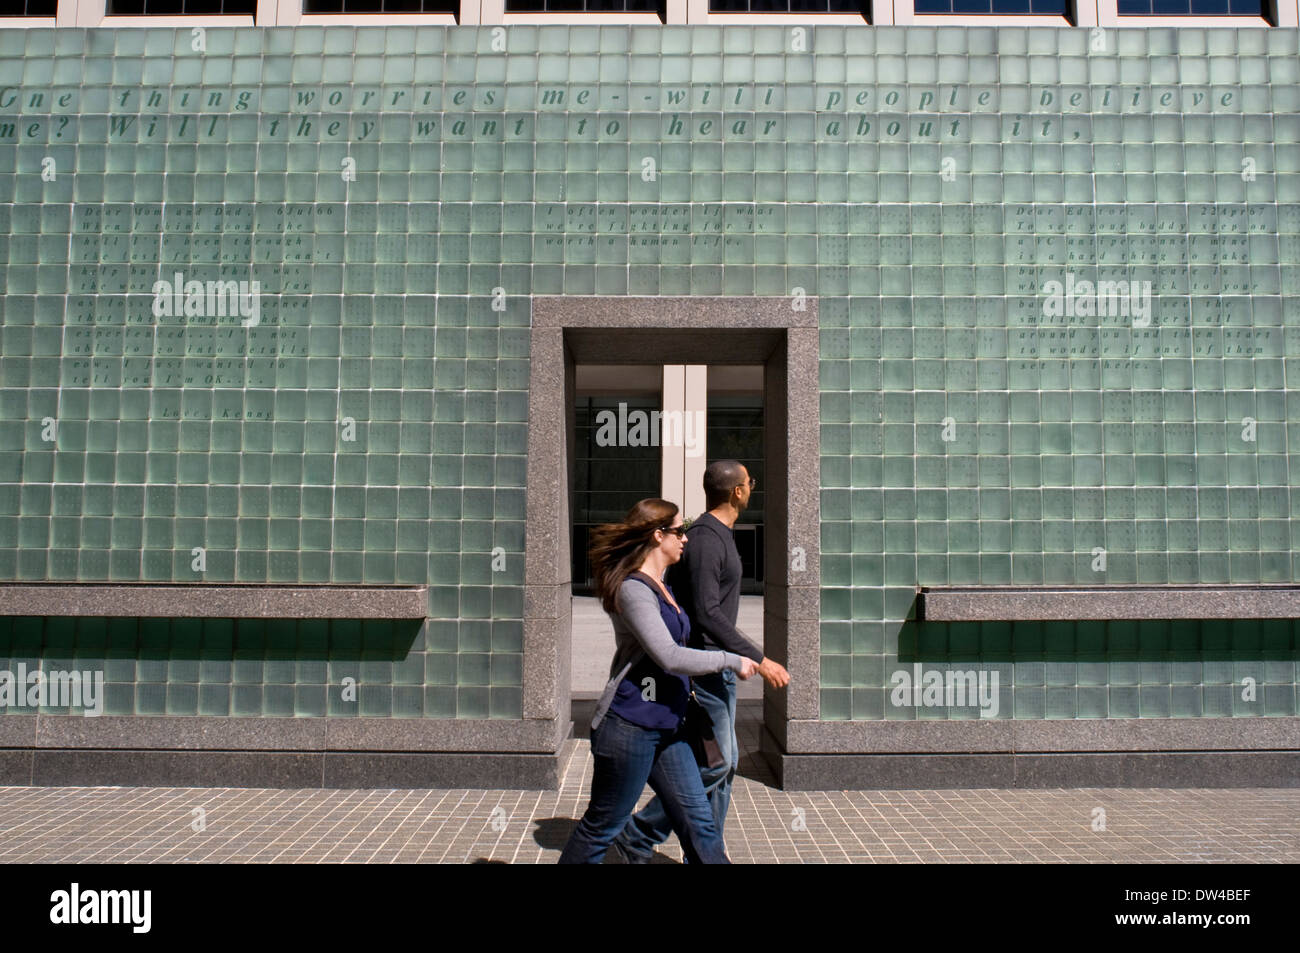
(638, 629)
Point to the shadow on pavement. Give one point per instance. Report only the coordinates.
(552, 833)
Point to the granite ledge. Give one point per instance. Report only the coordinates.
(18, 731)
(1079, 603)
(214, 602)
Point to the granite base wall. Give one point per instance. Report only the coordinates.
(279, 769)
(1172, 754)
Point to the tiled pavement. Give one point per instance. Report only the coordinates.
(766, 825)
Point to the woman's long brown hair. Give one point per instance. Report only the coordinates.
(618, 549)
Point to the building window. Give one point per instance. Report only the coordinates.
(166, 8)
(381, 6)
(1194, 8)
(608, 479)
(31, 8)
(1042, 8)
(584, 6)
(789, 6)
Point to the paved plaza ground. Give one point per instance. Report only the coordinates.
(766, 825)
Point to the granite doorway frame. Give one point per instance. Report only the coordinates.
(769, 331)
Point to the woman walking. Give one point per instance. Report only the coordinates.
(637, 733)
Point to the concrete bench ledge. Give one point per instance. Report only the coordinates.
(184, 601)
(1090, 603)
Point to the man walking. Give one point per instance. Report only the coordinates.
(706, 582)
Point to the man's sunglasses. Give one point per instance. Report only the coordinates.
(752, 483)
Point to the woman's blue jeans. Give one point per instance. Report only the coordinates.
(626, 756)
(646, 830)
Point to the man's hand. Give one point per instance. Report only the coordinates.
(774, 673)
(747, 668)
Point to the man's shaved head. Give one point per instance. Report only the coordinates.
(720, 478)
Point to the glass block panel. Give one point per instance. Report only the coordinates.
(251, 310)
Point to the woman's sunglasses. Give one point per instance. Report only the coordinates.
(678, 531)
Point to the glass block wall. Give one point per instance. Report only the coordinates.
(1056, 273)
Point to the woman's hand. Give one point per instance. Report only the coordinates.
(747, 668)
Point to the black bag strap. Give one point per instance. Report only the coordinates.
(642, 577)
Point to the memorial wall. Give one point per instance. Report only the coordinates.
(266, 316)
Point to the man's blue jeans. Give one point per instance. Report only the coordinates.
(626, 756)
(717, 694)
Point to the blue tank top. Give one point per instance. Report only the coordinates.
(648, 696)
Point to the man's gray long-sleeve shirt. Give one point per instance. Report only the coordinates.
(706, 582)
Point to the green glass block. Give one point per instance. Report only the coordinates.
(407, 702)
(1092, 702)
(1063, 703)
(119, 698)
(150, 698)
(182, 699)
(473, 702)
(1123, 702)
(1186, 701)
(439, 702)
(837, 705)
(1279, 700)
(374, 700)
